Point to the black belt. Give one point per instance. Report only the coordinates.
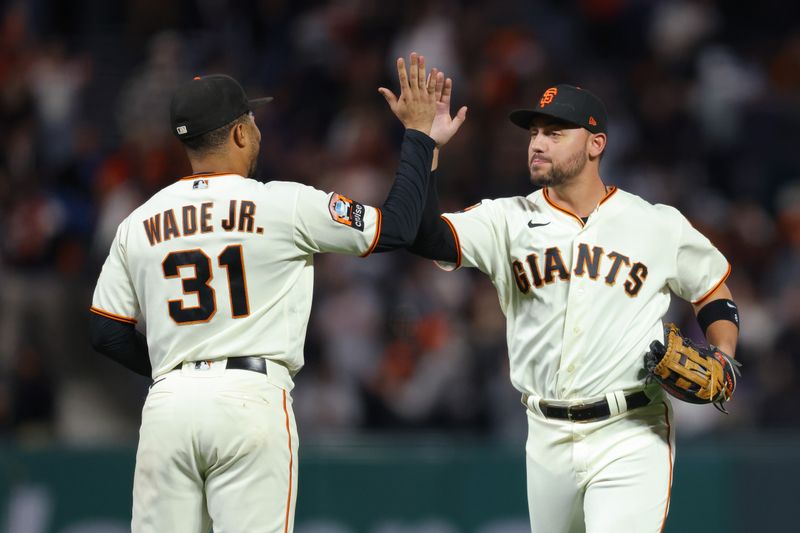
(254, 364)
(590, 411)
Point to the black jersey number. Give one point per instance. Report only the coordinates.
(231, 259)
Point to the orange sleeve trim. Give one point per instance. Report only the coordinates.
(291, 467)
(376, 238)
(458, 241)
(714, 288)
(669, 488)
(118, 318)
(203, 175)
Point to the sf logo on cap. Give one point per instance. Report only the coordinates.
(548, 96)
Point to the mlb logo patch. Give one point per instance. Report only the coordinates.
(200, 184)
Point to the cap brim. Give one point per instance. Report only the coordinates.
(255, 103)
(524, 117)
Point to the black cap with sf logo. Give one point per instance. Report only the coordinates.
(207, 103)
(568, 103)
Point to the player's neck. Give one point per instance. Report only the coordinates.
(217, 164)
(581, 195)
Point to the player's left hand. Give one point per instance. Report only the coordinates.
(444, 126)
(695, 374)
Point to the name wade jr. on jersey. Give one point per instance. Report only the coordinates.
(165, 226)
(588, 263)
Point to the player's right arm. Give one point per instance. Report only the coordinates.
(112, 320)
(120, 342)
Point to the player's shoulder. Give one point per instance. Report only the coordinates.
(512, 203)
(276, 191)
(635, 204)
(535, 198)
(497, 205)
(285, 187)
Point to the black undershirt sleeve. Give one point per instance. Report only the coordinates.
(435, 239)
(120, 342)
(402, 209)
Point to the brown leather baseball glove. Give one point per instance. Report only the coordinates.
(694, 374)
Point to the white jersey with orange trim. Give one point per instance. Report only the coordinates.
(584, 300)
(218, 265)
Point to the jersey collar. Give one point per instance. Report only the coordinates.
(203, 175)
(610, 191)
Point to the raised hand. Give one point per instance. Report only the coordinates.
(416, 105)
(444, 126)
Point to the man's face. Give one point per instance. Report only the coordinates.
(558, 151)
(255, 147)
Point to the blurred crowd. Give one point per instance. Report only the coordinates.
(704, 100)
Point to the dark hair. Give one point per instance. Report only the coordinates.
(214, 139)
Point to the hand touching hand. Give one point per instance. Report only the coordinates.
(444, 126)
(416, 105)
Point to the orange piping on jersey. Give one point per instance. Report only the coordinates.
(376, 238)
(455, 236)
(669, 458)
(714, 288)
(118, 318)
(609, 194)
(203, 175)
(546, 195)
(559, 208)
(291, 466)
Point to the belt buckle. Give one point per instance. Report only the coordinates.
(572, 417)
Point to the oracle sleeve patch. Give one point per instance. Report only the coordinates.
(345, 211)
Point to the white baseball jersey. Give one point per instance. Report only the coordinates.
(583, 301)
(218, 265)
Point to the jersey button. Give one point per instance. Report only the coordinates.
(576, 330)
(571, 368)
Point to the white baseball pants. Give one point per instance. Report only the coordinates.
(217, 447)
(608, 476)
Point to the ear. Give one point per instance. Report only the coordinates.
(597, 143)
(240, 135)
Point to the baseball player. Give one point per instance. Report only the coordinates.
(584, 273)
(220, 269)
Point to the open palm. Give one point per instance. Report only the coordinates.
(444, 126)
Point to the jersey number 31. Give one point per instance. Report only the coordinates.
(231, 259)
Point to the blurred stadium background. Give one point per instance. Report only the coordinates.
(407, 418)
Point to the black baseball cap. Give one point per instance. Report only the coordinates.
(207, 103)
(568, 103)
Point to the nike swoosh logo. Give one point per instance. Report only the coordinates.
(532, 225)
(731, 305)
